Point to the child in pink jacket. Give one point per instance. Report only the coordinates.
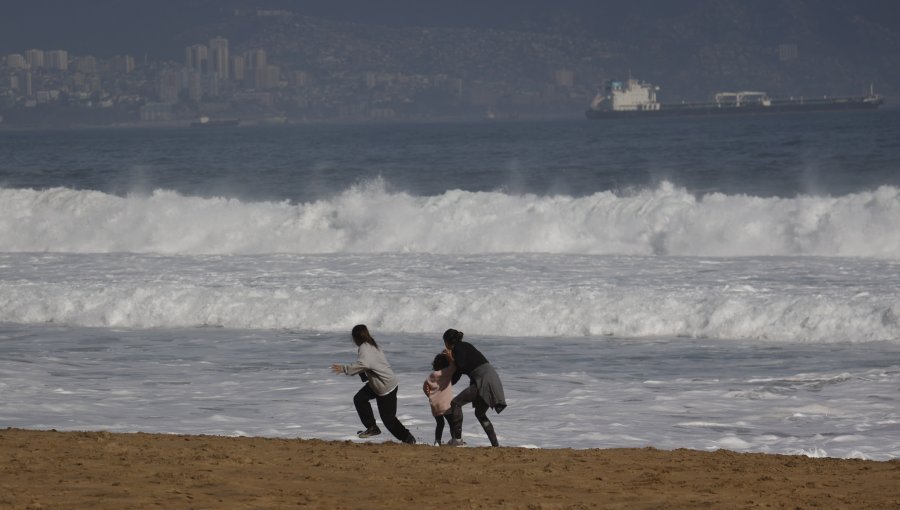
(440, 392)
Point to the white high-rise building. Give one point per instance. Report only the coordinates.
(238, 68)
(16, 61)
(255, 59)
(35, 58)
(218, 56)
(196, 57)
(57, 59)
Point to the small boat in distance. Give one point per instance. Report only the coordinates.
(633, 98)
(207, 122)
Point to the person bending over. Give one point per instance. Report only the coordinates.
(485, 390)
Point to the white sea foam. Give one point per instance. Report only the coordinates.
(371, 219)
(571, 393)
(794, 299)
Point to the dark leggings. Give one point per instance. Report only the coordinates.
(467, 395)
(387, 409)
(439, 426)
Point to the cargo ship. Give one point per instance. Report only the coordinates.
(634, 98)
(207, 122)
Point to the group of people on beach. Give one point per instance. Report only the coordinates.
(458, 358)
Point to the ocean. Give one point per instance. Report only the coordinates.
(677, 283)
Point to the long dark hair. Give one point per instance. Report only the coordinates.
(452, 337)
(361, 335)
(440, 362)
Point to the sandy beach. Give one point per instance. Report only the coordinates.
(100, 470)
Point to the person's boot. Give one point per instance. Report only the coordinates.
(369, 432)
(489, 430)
(410, 439)
(488, 427)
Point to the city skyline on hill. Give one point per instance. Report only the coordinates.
(291, 59)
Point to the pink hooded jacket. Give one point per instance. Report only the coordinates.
(440, 390)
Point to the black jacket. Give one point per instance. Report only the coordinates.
(467, 358)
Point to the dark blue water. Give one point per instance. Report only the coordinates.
(832, 154)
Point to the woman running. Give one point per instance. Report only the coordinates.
(381, 385)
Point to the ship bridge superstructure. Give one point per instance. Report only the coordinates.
(627, 95)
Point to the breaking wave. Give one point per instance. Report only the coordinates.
(369, 218)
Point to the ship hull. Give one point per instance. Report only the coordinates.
(216, 123)
(714, 109)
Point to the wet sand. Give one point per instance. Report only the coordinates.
(100, 470)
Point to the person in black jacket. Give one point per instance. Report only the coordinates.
(484, 392)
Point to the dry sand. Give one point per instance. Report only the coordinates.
(100, 470)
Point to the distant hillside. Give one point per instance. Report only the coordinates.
(782, 47)
(688, 47)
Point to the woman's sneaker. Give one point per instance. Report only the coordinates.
(456, 442)
(369, 432)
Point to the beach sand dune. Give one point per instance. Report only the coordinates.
(100, 470)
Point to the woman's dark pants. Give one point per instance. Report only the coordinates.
(387, 409)
(467, 395)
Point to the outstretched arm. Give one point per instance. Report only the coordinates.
(357, 367)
